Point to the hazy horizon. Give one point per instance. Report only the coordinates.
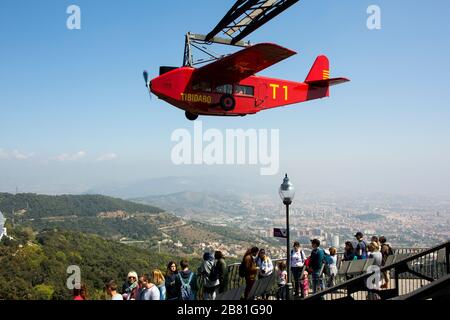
(129, 189)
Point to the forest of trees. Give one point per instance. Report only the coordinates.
(34, 265)
(38, 206)
(51, 233)
(82, 213)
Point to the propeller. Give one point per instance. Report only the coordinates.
(147, 83)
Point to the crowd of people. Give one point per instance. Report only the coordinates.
(181, 283)
(178, 282)
(319, 269)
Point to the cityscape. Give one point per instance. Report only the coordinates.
(406, 221)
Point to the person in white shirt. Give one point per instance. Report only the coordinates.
(298, 259)
(332, 267)
(374, 252)
(281, 280)
(148, 291)
(111, 291)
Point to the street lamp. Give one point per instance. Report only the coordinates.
(287, 194)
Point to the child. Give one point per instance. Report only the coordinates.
(281, 280)
(304, 283)
(332, 267)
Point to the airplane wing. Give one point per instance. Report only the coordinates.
(242, 64)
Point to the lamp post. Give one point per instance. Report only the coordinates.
(287, 194)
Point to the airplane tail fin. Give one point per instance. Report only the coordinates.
(319, 80)
(320, 70)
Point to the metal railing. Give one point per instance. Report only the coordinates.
(405, 273)
(234, 281)
(431, 264)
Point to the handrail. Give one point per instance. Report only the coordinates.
(234, 281)
(397, 265)
(431, 290)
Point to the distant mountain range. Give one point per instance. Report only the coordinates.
(170, 185)
(162, 186)
(195, 205)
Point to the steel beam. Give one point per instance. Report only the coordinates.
(252, 13)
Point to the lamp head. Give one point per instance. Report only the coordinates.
(287, 191)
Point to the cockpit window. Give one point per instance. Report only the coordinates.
(227, 88)
(244, 90)
(202, 86)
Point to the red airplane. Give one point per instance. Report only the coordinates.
(230, 86)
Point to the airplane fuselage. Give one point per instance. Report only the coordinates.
(251, 95)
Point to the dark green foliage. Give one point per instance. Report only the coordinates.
(36, 269)
(38, 206)
(115, 228)
(87, 213)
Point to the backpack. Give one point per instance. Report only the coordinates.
(386, 252)
(186, 290)
(327, 261)
(242, 270)
(308, 262)
(389, 252)
(213, 275)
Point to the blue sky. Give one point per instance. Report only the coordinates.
(70, 98)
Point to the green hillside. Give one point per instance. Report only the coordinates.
(139, 225)
(105, 216)
(38, 206)
(33, 266)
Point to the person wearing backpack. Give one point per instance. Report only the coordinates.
(222, 270)
(210, 275)
(298, 259)
(386, 251)
(361, 247)
(317, 265)
(186, 282)
(249, 269)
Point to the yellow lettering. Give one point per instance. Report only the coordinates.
(274, 90)
(196, 98)
(285, 93)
